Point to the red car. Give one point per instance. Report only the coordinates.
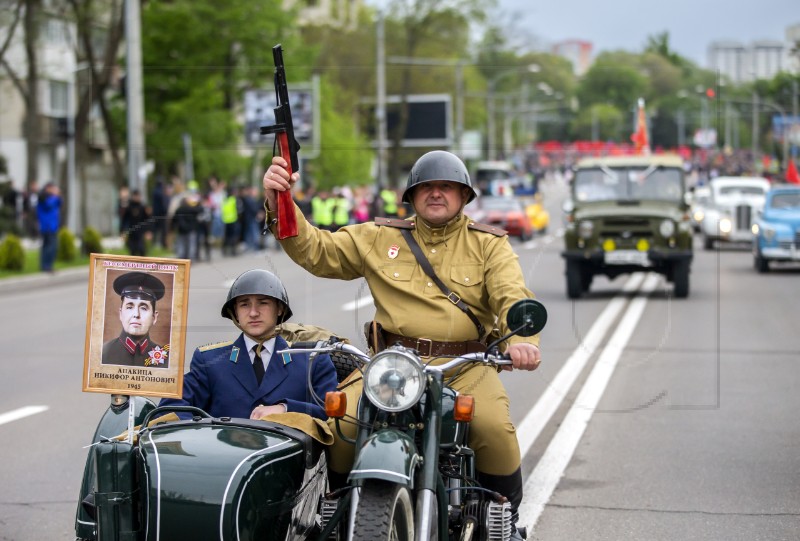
(505, 212)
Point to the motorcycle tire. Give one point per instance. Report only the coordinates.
(385, 513)
(344, 365)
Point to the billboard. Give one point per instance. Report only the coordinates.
(429, 120)
(259, 108)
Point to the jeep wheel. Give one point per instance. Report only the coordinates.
(586, 278)
(760, 263)
(680, 279)
(574, 280)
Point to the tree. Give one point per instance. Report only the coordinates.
(614, 80)
(601, 120)
(198, 59)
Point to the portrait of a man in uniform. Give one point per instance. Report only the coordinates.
(138, 293)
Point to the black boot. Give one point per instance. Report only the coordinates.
(509, 486)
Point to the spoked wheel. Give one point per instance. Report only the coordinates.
(385, 513)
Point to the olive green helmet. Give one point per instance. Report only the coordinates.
(438, 165)
(258, 282)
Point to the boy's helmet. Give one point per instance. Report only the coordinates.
(438, 165)
(258, 282)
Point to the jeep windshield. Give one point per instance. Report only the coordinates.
(628, 184)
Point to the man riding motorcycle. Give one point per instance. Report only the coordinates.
(477, 265)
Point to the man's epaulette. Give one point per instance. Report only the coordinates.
(394, 222)
(496, 231)
(208, 347)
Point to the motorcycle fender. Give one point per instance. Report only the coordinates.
(389, 455)
(115, 497)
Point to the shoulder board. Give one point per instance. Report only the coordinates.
(209, 347)
(496, 231)
(394, 222)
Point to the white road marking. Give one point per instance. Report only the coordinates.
(358, 303)
(538, 417)
(21, 413)
(542, 482)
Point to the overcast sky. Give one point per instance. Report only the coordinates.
(626, 24)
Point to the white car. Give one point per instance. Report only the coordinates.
(701, 198)
(734, 205)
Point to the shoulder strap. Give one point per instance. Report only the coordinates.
(394, 222)
(496, 231)
(452, 297)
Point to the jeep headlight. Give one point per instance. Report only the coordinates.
(725, 225)
(585, 229)
(394, 380)
(667, 228)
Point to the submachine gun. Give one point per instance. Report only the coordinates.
(287, 145)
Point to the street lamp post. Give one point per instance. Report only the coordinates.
(490, 98)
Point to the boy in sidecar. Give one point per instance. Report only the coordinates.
(246, 377)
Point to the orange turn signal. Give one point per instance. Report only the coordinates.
(335, 404)
(465, 408)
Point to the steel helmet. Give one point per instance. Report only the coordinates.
(258, 282)
(438, 165)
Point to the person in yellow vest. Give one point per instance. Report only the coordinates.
(389, 199)
(341, 209)
(231, 208)
(322, 210)
(476, 262)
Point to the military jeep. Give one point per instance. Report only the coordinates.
(628, 214)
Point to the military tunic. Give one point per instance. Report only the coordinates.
(479, 266)
(115, 352)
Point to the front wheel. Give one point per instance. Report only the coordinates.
(680, 277)
(574, 280)
(384, 513)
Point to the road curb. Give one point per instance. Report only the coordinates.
(43, 279)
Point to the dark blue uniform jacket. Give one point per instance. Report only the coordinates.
(221, 381)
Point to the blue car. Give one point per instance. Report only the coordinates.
(777, 231)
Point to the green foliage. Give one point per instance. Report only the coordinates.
(198, 58)
(91, 241)
(65, 245)
(614, 80)
(603, 120)
(345, 156)
(12, 255)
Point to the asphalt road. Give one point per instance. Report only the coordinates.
(650, 418)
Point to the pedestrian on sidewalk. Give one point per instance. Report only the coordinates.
(48, 211)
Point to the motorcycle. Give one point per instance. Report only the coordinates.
(240, 479)
(414, 476)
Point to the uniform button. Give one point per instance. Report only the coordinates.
(397, 275)
(429, 284)
(466, 279)
(433, 251)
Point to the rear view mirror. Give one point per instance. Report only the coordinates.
(527, 317)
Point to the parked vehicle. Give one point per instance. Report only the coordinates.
(537, 214)
(735, 201)
(776, 233)
(414, 474)
(496, 178)
(628, 214)
(504, 212)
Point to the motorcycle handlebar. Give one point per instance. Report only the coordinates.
(499, 359)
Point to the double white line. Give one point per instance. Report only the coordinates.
(551, 466)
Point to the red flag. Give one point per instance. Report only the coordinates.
(639, 137)
(791, 173)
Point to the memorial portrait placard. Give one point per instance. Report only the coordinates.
(136, 325)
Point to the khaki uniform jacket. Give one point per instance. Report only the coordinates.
(479, 266)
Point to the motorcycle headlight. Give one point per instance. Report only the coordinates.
(667, 228)
(394, 380)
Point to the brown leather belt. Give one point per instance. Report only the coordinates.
(432, 348)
